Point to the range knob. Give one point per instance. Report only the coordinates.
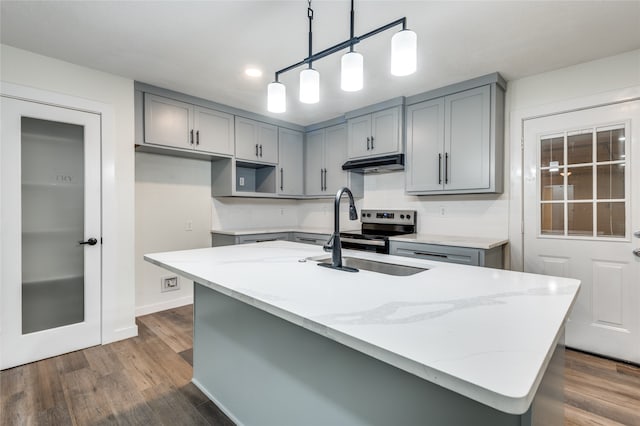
(401, 216)
(408, 216)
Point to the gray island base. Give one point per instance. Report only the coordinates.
(263, 370)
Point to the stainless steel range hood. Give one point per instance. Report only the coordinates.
(385, 163)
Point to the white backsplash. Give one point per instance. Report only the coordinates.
(474, 215)
(248, 213)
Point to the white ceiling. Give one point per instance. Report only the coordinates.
(201, 48)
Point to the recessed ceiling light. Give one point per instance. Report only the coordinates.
(253, 72)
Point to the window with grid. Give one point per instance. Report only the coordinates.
(582, 183)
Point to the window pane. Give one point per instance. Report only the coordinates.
(552, 185)
(580, 148)
(552, 219)
(551, 149)
(580, 219)
(580, 183)
(611, 181)
(610, 145)
(611, 218)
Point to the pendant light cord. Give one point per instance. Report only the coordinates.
(351, 34)
(310, 15)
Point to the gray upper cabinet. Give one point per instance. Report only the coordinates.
(455, 143)
(290, 162)
(375, 134)
(325, 152)
(177, 124)
(256, 141)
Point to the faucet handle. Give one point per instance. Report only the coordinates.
(328, 246)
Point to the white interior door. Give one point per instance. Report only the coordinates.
(581, 209)
(51, 231)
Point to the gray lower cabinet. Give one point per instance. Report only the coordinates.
(325, 153)
(176, 124)
(309, 238)
(219, 239)
(290, 174)
(455, 143)
(491, 258)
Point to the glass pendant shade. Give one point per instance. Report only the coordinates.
(352, 72)
(309, 86)
(276, 97)
(404, 48)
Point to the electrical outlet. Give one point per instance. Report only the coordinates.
(188, 226)
(442, 211)
(169, 284)
(241, 181)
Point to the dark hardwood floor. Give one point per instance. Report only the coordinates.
(147, 380)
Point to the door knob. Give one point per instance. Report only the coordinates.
(637, 252)
(90, 241)
(636, 234)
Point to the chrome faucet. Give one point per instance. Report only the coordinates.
(334, 245)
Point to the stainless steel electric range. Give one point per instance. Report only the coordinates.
(377, 227)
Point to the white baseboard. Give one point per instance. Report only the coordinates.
(120, 334)
(163, 306)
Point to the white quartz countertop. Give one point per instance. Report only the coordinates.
(452, 240)
(484, 333)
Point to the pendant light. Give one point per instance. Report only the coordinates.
(351, 77)
(309, 86)
(403, 62)
(404, 48)
(276, 97)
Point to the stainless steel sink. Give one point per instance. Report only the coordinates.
(374, 266)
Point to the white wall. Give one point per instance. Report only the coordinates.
(171, 194)
(604, 80)
(28, 69)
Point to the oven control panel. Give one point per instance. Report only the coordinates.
(400, 217)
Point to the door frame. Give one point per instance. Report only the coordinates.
(516, 138)
(111, 329)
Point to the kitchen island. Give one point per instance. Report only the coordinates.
(278, 340)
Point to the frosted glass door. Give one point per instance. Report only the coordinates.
(51, 242)
(52, 161)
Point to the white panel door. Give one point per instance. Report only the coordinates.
(51, 231)
(581, 209)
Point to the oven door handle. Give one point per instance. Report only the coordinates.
(363, 242)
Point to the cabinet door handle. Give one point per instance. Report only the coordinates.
(281, 179)
(446, 168)
(423, 253)
(260, 150)
(368, 140)
(191, 137)
(256, 150)
(321, 180)
(439, 168)
(371, 142)
(198, 137)
(325, 179)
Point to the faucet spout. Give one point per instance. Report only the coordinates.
(334, 244)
